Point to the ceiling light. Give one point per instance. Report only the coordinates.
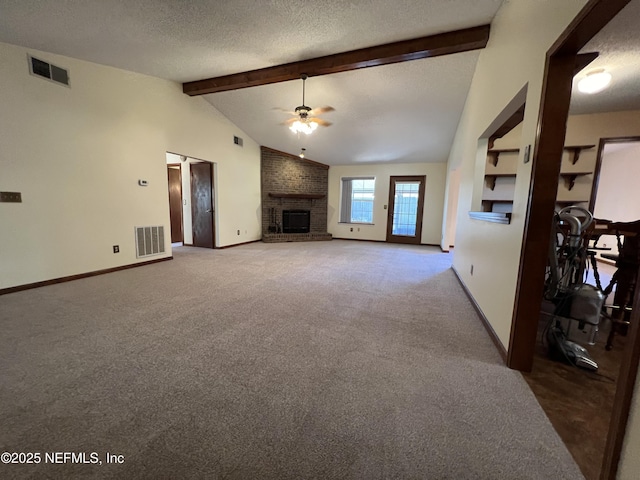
(302, 152)
(595, 81)
(303, 126)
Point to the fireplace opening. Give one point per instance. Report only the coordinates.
(296, 221)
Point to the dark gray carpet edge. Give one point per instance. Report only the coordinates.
(319, 360)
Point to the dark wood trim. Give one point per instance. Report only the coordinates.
(179, 165)
(596, 172)
(238, 244)
(512, 122)
(359, 239)
(294, 157)
(543, 188)
(384, 241)
(420, 208)
(624, 396)
(70, 278)
(307, 196)
(485, 321)
(584, 59)
(430, 46)
(493, 217)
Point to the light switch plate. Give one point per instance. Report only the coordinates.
(11, 197)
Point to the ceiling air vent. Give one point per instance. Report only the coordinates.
(43, 69)
(237, 141)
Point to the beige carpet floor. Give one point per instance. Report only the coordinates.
(325, 360)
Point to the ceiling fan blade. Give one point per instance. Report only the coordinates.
(284, 110)
(320, 121)
(290, 121)
(321, 110)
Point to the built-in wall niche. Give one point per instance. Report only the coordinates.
(500, 163)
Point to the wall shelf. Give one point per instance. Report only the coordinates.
(570, 178)
(575, 150)
(494, 154)
(309, 196)
(570, 202)
(491, 178)
(493, 217)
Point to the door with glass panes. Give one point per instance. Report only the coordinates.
(406, 204)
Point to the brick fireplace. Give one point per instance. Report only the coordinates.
(292, 184)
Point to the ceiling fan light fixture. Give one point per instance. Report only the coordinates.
(595, 81)
(303, 127)
(302, 150)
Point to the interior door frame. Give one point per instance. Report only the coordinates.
(417, 240)
(169, 165)
(213, 201)
(561, 62)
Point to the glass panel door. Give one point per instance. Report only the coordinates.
(406, 202)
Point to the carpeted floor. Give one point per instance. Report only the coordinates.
(320, 360)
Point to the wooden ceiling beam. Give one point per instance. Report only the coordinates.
(431, 46)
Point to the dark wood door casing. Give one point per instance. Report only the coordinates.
(202, 204)
(175, 202)
(392, 191)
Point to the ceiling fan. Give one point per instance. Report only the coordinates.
(305, 118)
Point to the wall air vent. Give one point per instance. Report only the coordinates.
(149, 241)
(237, 141)
(43, 69)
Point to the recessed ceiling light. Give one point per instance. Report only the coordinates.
(595, 81)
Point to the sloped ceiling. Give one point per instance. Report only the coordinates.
(406, 112)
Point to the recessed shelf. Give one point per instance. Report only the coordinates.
(491, 178)
(494, 154)
(493, 217)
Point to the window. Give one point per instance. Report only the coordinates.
(357, 200)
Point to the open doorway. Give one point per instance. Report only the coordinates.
(197, 217)
(589, 409)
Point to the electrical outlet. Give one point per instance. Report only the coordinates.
(471, 269)
(116, 249)
(238, 232)
(351, 229)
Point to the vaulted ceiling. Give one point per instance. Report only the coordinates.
(404, 112)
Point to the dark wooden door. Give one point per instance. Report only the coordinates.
(202, 204)
(175, 202)
(406, 204)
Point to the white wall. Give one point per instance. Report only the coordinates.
(433, 202)
(618, 196)
(77, 153)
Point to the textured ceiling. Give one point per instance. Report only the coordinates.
(619, 47)
(404, 112)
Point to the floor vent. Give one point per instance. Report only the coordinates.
(149, 241)
(46, 70)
